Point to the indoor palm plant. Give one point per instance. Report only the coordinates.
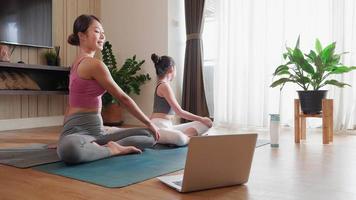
(127, 79)
(311, 71)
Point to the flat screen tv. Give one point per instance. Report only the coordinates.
(26, 22)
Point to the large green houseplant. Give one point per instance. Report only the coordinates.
(127, 79)
(311, 71)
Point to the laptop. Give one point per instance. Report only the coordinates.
(215, 161)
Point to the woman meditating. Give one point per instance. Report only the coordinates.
(83, 137)
(165, 106)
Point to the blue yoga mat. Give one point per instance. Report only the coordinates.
(125, 170)
(122, 170)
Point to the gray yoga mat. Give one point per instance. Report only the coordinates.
(125, 170)
(30, 147)
(28, 156)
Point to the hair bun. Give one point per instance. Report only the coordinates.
(155, 58)
(73, 39)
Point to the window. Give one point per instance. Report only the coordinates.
(209, 46)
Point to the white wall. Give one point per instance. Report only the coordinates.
(142, 27)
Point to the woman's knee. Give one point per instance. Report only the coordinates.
(140, 142)
(70, 148)
(142, 139)
(181, 140)
(171, 136)
(200, 127)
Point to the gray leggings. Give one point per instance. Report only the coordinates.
(82, 129)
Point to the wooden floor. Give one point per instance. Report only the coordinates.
(309, 170)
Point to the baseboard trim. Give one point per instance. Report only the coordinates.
(36, 122)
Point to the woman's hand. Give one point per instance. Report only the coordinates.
(154, 130)
(207, 121)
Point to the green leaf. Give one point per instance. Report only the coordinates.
(281, 81)
(312, 55)
(327, 53)
(297, 43)
(307, 67)
(297, 55)
(280, 68)
(304, 80)
(318, 46)
(336, 83)
(335, 59)
(285, 55)
(300, 60)
(283, 72)
(340, 70)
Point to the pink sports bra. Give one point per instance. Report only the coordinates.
(84, 93)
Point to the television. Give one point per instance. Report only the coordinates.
(26, 22)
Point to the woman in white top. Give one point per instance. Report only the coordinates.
(166, 106)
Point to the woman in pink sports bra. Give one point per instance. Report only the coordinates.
(83, 136)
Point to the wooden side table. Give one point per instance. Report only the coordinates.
(326, 115)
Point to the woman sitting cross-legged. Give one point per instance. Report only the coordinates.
(84, 137)
(166, 106)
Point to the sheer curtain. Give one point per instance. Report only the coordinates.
(251, 37)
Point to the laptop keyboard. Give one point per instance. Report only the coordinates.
(178, 183)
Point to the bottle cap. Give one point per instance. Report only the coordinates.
(275, 117)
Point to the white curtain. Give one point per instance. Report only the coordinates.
(251, 37)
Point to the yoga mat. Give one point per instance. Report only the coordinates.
(28, 156)
(30, 147)
(125, 170)
(259, 143)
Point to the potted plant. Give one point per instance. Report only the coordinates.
(127, 79)
(311, 71)
(51, 57)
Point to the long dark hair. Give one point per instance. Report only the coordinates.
(162, 63)
(81, 24)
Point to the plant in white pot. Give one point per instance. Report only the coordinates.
(127, 79)
(311, 72)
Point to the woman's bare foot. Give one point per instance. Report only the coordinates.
(52, 146)
(117, 149)
(190, 132)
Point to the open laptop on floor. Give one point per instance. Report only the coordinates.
(215, 161)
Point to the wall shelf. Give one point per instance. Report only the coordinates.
(32, 92)
(34, 67)
(51, 79)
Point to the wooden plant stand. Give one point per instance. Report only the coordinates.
(326, 115)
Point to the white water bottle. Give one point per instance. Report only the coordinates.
(274, 130)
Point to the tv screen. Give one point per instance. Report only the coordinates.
(26, 22)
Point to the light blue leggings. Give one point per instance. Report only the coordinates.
(82, 129)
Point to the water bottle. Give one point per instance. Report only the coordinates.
(274, 130)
